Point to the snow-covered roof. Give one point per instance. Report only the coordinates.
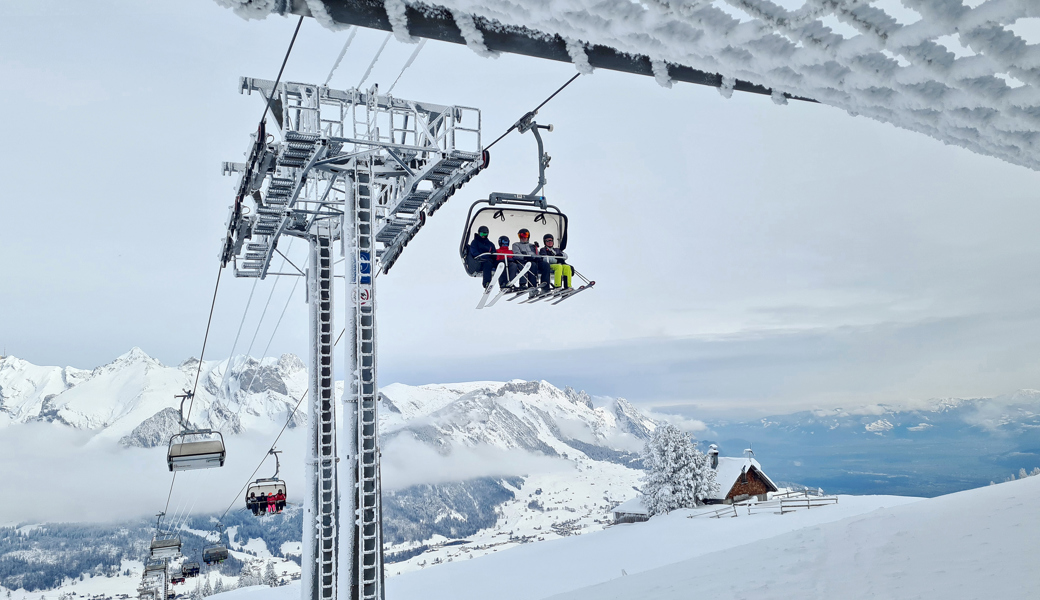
(730, 468)
(633, 506)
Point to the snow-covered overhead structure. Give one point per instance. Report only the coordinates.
(963, 72)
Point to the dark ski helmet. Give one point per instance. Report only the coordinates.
(503, 241)
(483, 231)
(523, 234)
(547, 237)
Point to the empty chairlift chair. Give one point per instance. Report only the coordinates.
(165, 546)
(194, 448)
(186, 454)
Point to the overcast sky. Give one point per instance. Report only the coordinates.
(748, 256)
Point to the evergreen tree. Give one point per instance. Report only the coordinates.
(207, 590)
(269, 576)
(218, 587)
(678, 474)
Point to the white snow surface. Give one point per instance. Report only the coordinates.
(974, 544)
(938, 67)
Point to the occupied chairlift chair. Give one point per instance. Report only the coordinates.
(205, 453)
(190, 569)
(506, 214)
(218, 552)
(266, 486)
(164, 545)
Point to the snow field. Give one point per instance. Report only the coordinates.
(978, 543)
(551, 567)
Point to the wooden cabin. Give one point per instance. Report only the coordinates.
(631, 511)
(738, 478)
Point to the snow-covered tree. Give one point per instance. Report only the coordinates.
(218, 587)
(270, 578)
(207, 590)
(247, 576)
(678, 474)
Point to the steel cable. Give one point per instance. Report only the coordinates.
(533, 112)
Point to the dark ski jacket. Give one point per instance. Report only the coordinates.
(554, 252)
(480, 246)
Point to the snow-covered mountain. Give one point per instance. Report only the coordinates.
(494, 463)
(131, 399)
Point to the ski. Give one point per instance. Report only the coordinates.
(542, 295)
(512, 284)
(574, 291)
(490, 286)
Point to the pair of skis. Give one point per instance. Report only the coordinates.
(501, 290)
(555, 295)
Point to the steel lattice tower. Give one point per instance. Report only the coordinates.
(365, 170)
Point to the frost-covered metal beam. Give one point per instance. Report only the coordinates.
(438, 23)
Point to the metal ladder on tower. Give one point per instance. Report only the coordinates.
(323, 411)
(368, 533)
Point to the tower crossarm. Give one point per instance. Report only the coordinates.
(417, 155)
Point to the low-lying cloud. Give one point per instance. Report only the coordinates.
(407, 462)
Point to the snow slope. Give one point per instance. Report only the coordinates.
(551, 567)
(978, 543)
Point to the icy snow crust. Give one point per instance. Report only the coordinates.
(894, 72)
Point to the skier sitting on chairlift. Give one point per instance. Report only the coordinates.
(557, 260)
(505, 254)
(253, 504)
(483, 250)
(539, 266)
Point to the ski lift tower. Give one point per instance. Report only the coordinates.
(365, 170)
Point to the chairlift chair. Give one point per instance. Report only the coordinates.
(506, 214)
(218, 552)
(185, 454)
(165, 546)
(266, 486)
(214, 553)
(190, 569)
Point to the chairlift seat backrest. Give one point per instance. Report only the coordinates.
(166, 548)
(186, 455)
(265, 487)
(507, 219)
